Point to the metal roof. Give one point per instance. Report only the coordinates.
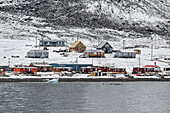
(75, 44)
(127, 51)
(26, 67)
(53, 40)
(152, 66)
(102, 44)
(38, 51)
(90, 50)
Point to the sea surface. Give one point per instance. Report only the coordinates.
(85, 97)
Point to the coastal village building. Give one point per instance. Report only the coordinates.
(60, 69)
(77, 46)
(137, 51)
(52, 43)
(37, 54)
(42, 67)
(88, 69)
(105, 46)
(147, 69)
(166, 71)
(5, 68)
(125, 54)
(93, 54)
(26, 70)
(116, 70)
(75, 67)
(2, 71)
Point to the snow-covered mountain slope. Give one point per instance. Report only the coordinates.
(91, 20)
(133, 22)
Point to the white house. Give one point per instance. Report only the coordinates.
(37, 54)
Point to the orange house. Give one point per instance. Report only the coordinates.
(77, 46)
(25, 69)
(94, 53)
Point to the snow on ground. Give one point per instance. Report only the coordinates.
(18, 48)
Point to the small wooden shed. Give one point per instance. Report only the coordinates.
(137, 51)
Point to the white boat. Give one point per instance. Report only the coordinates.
(54, 80)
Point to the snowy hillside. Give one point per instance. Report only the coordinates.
(134, 18)
(133, 22)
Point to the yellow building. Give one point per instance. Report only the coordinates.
(77, 46)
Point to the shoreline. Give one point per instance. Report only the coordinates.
(85, 79)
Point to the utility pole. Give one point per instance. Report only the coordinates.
(78, 36)
(66, 45)
(36, 42)
(152, 49)
(98, 40)
(9, 64)
(123, 44)
(76, 64)
(39, 44)
(139, 61)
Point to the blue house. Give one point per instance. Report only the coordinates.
(5, 68)
(76, 67)
(52, 43)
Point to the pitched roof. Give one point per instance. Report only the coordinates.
(75, 43)
(90, 50)
(152, 66)
(102, 44)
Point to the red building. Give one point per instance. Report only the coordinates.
(60, 69)
(102, 68)
(116, 70)
(89, 69)
(26, 70)
(147, 69)
(2, 72)
(42, 67)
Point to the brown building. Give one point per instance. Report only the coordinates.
(60, 69)
(77, 46)
(137, 51)
(93, 53)
(42, 67)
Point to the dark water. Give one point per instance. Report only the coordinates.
(85, 97)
